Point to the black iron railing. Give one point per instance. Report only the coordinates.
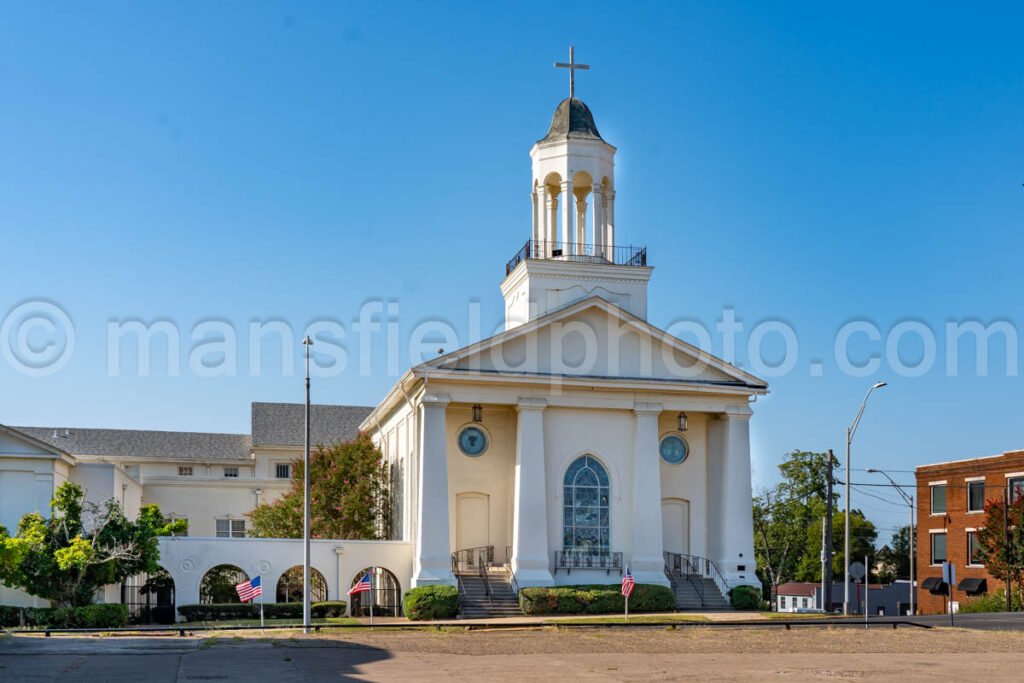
(587, 559)
(473, 561)
(581, 253)
(691, 567)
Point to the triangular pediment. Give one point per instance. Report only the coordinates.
(14, 443)
(594, 338)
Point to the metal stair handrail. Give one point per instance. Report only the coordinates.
(690, 566)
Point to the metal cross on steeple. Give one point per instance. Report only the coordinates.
(572, 66)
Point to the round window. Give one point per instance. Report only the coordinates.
(472, 441)
(674, 449)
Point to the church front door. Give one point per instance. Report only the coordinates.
(472, 520)
(675, 525)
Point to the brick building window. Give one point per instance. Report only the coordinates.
(1016, 486)
(939, 548)
(974, 550)
(975, 496)
(938, 499)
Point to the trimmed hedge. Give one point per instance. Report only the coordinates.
(595, 599)
(90, 616)
(431, 602)
(251, 610)
(746, 598)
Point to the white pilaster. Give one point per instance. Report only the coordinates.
(597, 221)
(543, 216)
(646, 561)
(581, 225)
(734, 550)
(536, 216)
(609, 218)
(432, 564)
(568, 218)
(530, 516)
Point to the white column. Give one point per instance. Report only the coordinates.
(432, 564)
(734, 546)
(568, 218)
(536, 216)
(597, 221)
(609, 218)
(543, 214)
(646, 561)
(581, 225)
(530, 548)
(552, 222)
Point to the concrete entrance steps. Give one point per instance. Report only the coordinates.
(475, 602)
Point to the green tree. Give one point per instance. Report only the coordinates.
(895, 556)
(862, 541)
(1001, 542)
(350, 496)
(785, 516)
(81, 547)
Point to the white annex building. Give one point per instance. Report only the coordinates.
(577, 442)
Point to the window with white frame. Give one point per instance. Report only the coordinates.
(975, 496)
(1016, 488)
(230, 528)
(283, 470)
(974, 549)
(185, 471)
(231, 472)
(938, 499)
(938, 548)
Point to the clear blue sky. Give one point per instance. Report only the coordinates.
(242, 161)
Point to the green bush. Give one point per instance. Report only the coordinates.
(89, 616)
(431, 602)
(990, 602)
(238, 610)
(746, 598)
(9, 616)
(595, 599)
(330, 608)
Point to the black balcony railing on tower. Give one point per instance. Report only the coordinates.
(579, 253)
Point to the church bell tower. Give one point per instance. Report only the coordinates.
(572, 253)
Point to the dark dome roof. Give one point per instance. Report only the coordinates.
(572, 119)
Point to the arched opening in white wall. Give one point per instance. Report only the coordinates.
(289, 586)
(149, 598)
(586, 507)
(675, 525)
(218, 584)
(385, 594)
(472, 520)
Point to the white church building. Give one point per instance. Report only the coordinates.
(579, 441)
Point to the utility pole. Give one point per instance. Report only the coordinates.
(829, 502)
(823, 573)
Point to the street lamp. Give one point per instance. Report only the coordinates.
(306, 605)
(909, 499)
(846, 541)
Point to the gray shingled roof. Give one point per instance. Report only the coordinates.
(135, 443)
(283, 424)
(572, 119)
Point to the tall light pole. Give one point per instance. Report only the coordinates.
(846, 523)
(912, 537)
(306, 604)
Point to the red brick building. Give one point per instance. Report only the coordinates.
(951, 500)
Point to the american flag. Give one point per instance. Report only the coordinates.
(627, 583)
(362, 586)
(247, 590)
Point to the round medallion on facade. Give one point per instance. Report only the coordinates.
(187, 565)
(472, 441)
(674, 449)
(264, 567)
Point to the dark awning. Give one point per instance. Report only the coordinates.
(934, 584)
(972, 586)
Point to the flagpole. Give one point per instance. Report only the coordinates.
(261, 603)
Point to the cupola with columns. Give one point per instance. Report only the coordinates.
(572, 253)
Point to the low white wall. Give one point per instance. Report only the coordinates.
(187, 559)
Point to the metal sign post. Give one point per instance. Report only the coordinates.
(949, 576)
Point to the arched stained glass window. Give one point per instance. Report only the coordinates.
(586, 505)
